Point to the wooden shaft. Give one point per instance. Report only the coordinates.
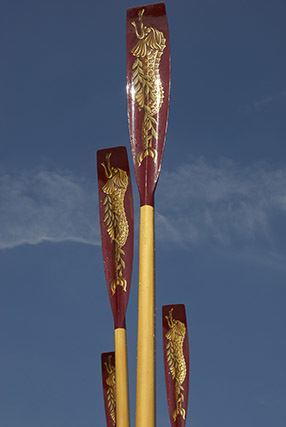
(121, 378)
(145, 393)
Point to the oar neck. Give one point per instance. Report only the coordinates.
(120, 323)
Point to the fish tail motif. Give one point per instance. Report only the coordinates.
(148, 88)
(120, 265)
(179, 410)
(115, 218)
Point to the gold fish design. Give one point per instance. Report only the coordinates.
(176, 361)
(115, 217)
(111, 390)
(147, 88)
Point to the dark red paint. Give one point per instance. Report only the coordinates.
(119, 300)
(179, 313)
(147, 173)
(107, 358)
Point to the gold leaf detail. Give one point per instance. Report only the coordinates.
(115, 217)
(111, 390)
(147, 84)
(176, 361)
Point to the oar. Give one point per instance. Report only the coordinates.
(108, 384)
(116, 222)
(177, 363)
(148, 75)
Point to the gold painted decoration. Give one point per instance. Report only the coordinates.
(111, 389)
(115, 217)
(176, 361)
(147, 86)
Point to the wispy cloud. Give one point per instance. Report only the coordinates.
(223, 204)
(263, 103)
(47, 206)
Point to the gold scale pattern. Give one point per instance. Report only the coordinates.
(111, 390)
(176, 361)
(115, 217)
(146, 82)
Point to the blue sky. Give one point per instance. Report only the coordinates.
(221, 204)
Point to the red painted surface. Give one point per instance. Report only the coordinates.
(148, 172)
(119, 300)
(179, 313)
(106, 359)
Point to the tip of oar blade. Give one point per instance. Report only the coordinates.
(108, 384)
(178, 309)
(148, 91)
(116, 225)
(176, 353)
(153, 9)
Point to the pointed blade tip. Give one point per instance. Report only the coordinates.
(160, 5)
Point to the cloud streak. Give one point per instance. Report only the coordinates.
(263, 103)
(47, 206)
(222, 205)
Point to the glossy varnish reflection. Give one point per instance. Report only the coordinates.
(148, 87)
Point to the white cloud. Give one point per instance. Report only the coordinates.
(223, 204)
(47, 206)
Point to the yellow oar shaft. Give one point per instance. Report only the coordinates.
(145, 393)
(121, 378)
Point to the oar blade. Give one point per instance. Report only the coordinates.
(116, 224)
(148, 91)
(108, 384)
(177, 362)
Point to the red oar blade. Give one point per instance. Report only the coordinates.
(177, 363)
(116, 223)
(108, 384)
(148, 89)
